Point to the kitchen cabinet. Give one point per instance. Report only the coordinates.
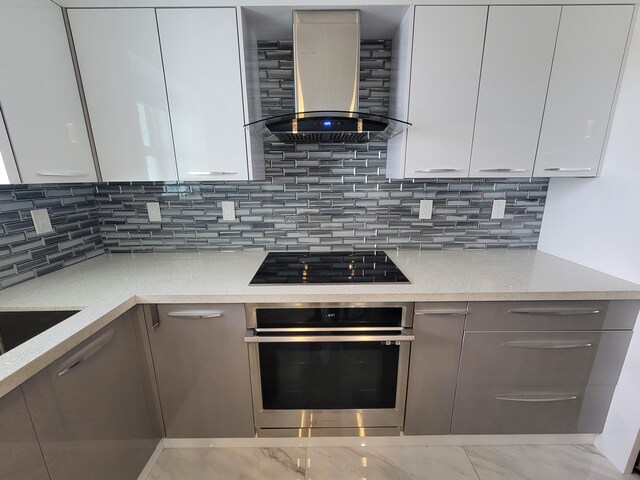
(8, 169)
(435, 357)
(201, 55)
(121, 68)
(39, 98)
(92, 409)
(586, 67)
(21, 457)
(446, 60)
(540, 367)
(516, 67)
(202, 369)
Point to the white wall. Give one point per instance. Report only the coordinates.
(596, 223)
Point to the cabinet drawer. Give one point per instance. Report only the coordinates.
(508, 316)
(542, 358)
(519, 410)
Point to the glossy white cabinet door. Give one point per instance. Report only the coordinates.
(202, 69)
(584, 76)
(8, 168)
(121, 68)
(447, 54)
(516, 66)
(39, 96)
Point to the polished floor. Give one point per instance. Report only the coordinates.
(549, 462)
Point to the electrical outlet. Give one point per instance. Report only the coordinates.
(497, 212)
(153, 209)
(228, 211)
(41, 221)
(426, 209)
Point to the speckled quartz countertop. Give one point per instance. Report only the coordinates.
(105, 287)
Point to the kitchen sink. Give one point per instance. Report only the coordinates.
(18, 327)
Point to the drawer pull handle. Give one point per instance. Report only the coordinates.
(438, 170)
(440, 313)
(559, 313)
(502, 170)
(535, 399)
(62, 174)
(567, 169)
(194, 314)
(87, 352)
(204, 174)
(547, 345)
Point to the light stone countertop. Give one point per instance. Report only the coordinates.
(105, 287)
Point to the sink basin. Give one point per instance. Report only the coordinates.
(18, 327)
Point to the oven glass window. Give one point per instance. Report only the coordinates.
(332, 375)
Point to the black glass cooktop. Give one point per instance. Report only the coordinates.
(328, 267)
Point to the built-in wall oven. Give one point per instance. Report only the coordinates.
(321, 369)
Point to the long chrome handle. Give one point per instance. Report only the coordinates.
(440, 313)
(327, 329)
(567, 169)
(212, 173)
(532, 398)
(545, 344)
(438, 170)
(405, 336)
(555, 311)
(87, 352)
(194, 314)
(502, 170)
(62, 174)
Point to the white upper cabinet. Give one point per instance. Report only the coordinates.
(202, 70)
(586, 66)
(121, 68)
(39, 98)
(8, 168)
(447, 54)
(516, 67)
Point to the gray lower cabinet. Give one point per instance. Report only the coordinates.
(520, 410)
(20, 455)
(202, 369)
(92, 409)
(540, 367)
(435, 356)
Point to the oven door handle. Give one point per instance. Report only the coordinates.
(326, 329)
(403, 335)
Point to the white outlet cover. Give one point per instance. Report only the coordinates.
(41, 221)
(153, 209)
(426, 209)
(228, 211)
(497, 212)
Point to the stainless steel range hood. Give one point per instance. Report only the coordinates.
(326, 58)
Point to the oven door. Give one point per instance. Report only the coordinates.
(329, 380)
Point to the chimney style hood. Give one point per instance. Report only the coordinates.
(326, 62)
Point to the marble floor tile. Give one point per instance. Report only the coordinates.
(388, 463)
(544, 462)
(230, 464)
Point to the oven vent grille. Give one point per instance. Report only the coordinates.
(329, 137)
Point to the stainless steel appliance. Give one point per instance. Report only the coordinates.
(329, 369)
(326, 63)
